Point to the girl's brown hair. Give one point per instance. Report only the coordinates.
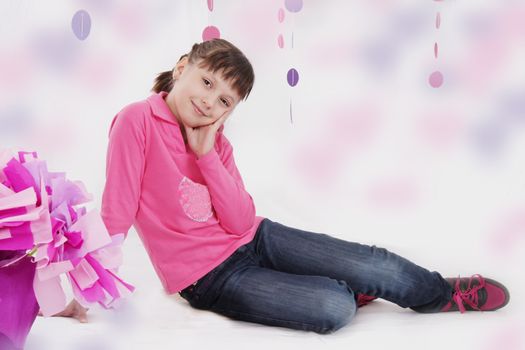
(215, 55)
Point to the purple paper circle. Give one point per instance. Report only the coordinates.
(210, 32)
(81, 24)
(292, 77)
(436, 79)
(293, 5)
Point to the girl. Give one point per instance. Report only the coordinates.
(171, 173)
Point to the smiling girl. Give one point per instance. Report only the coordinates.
(170, 172)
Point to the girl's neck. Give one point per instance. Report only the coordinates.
(173, 110)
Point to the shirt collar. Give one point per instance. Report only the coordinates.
(160, 108)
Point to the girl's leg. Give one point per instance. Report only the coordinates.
(366, 269)
(242, 290)
(311, 303)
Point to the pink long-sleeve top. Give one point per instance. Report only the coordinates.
(190, 213)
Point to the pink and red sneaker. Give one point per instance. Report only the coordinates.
(476, 294)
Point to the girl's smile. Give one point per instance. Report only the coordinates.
(197, 109)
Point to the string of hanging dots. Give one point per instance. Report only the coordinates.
(436, 78)
(210, 32)
(292, 76)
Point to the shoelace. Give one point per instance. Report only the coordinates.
(470, 295)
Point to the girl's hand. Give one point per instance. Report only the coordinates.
(202, 139)
(74, 310)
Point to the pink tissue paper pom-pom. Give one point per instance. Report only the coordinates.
(44, 233)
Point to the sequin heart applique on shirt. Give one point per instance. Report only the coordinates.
(195, 200)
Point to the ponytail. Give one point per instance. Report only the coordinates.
(164, 80)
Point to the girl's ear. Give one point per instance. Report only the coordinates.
(179, 67)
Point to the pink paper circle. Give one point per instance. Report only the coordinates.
(280, 41)
(210, 32)
(280, 15)
(436, 79)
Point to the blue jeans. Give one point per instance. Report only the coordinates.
(309, 281)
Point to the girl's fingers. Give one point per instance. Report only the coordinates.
(81, 315)
(221, 121)
(74, 310)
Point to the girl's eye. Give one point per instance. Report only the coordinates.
(208, 83)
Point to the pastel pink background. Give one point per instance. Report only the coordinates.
(374, 154)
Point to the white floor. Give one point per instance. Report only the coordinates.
(150, 319)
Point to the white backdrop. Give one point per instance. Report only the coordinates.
(372, 153)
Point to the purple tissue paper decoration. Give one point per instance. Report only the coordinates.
(17, 300)
(293, 5)
(292, 77)
(210, 32)
(81, 24)
(39, 212)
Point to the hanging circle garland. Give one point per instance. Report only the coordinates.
(280, 41)
(280, 15)
(293, 5)
(210, 32)
(81, 24)
(280, 18)
(436, 78)
(292, 75)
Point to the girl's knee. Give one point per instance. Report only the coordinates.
(335, 313)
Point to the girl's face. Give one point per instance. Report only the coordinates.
(199, 97)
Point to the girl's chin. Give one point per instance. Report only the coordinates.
(188, 123)
(194, 124)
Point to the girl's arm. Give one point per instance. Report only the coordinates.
(124, 170)
(232, 203)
